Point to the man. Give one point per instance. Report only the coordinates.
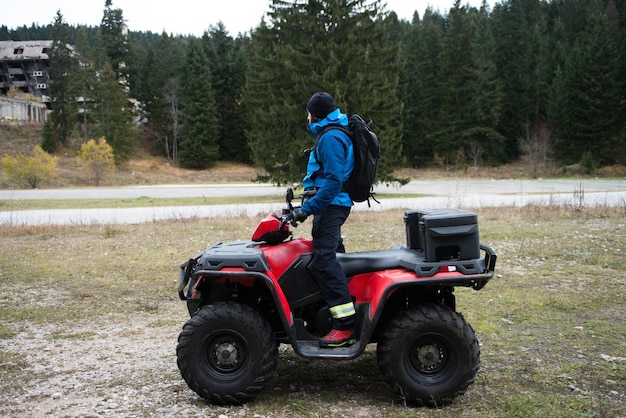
(329, 166)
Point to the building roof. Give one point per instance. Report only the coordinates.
(24, 50)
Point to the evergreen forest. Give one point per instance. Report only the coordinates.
(543, 80)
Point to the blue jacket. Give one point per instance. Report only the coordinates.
(334, 150)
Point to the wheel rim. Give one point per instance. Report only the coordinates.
(429, 359)
(226, 355)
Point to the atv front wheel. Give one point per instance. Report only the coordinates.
(429, 355)
(226, 353)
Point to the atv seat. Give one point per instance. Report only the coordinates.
(369, 261)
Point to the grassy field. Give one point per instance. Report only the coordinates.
(89, 319)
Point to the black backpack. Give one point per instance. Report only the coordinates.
(366, 156)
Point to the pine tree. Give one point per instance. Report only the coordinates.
(140, 46)
(62, 69)
(115, 40)
(616, 16)
(320, 46)
(114, 116)
(112, 105)
(589, 92)
(519, 29)
(420, 93)
(198, 148)
(85, 80)
(480, 137)
(454, 116)
(157, 90)
(411, 84)
(228, 77)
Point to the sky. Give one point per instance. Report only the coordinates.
(184, 17)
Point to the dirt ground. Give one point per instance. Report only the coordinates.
(123, 368)
(81, 373)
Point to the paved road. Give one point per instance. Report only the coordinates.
(457, 193)
(433, 188)
(161, 191)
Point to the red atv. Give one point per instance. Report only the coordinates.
(247, 297)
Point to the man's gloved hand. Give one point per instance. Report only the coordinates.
(298, 216)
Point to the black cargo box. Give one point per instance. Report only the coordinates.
(443, 234)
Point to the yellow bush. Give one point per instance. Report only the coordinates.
(34, 169)
(96, 159)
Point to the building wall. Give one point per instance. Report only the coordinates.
(22, 111)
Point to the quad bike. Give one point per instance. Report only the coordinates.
(245, 298)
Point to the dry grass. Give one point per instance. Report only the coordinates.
(89, 320)
(16, 139)
(142, 169)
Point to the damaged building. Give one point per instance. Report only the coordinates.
(24, 81)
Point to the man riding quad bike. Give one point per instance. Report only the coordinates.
(247, 297)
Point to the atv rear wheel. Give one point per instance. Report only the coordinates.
(429, 355)
(226, 353)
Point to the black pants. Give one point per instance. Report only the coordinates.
(327, 242)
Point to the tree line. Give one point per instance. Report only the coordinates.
(544, 80)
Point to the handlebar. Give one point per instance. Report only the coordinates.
(286, 216)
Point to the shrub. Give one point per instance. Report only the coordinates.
(34, 169)
(588, 163)
(96, 159)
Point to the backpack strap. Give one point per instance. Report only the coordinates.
(317, 139)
